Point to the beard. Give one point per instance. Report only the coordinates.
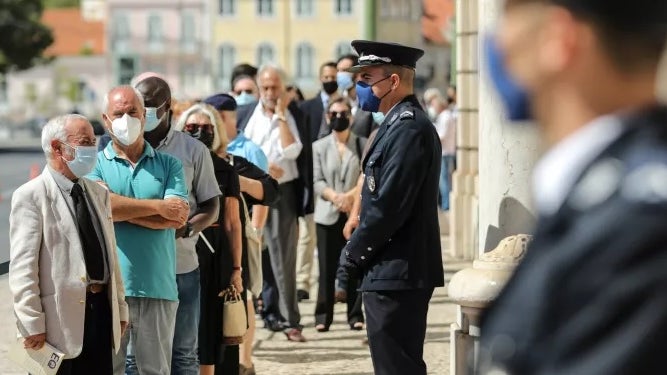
(269, 103)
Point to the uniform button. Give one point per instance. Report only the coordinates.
(363, 257)
(370, 248)
(347, 253)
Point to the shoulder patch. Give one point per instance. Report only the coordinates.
(646, 184)
(407, 115)
(599, 183)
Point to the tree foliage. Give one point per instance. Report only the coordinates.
(61, 3)
(24, 37)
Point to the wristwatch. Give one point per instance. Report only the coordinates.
(280, 117)
(189, 230)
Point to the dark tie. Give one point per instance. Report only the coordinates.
(92, 251)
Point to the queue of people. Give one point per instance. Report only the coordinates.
(177, 191)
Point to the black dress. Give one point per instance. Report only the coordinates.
(216, 270)
(227, 358)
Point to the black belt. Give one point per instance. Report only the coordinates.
(96, 288)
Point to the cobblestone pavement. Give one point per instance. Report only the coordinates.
(337, 352)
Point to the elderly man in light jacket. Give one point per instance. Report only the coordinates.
(63, 274)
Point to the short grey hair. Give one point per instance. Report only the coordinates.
(55, 130)
(219, 139)
(270, 66)
(105, 99)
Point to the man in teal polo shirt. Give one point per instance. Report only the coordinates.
(149, 202)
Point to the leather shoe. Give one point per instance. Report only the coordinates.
(340, 296)
(246, 370)
(273, 325)
(301, 295)
(294, 335)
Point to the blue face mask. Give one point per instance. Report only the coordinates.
(514, 97)
(152, 121)
(344, 80)
(245, 98)
(378, 117)
(367, 100)
(85, 158)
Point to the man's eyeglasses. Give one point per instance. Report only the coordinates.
(339, 114)
(207, 127)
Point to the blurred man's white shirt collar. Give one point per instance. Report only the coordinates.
(558, 170)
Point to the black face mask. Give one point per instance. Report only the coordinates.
(339, 124)
(203, 136)
(330, 87)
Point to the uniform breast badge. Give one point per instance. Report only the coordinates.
(370, 182)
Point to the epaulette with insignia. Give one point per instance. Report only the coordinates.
(408, 114)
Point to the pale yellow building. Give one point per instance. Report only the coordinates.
(298, 35)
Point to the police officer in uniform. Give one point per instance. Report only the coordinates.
(590, 295)
(396, 248)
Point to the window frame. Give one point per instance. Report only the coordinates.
(264, 14)
(158, 43)
(337, 8)
(310, 14)
(304, 71)
(230, 13)
(259, 50)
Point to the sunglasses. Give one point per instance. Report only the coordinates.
(192, 126)
(339, 114)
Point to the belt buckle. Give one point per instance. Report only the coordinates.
(95, 288)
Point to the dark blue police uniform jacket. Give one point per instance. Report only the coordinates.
(590, 295)
(397, 243)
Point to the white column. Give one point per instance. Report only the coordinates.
(463, 198)
(508, 152)
(501, 180)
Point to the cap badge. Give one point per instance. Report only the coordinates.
(374, 58)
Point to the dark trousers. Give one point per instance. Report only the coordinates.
(96, 353)
(396, 327)
(330, 242)
(230, 361)
(270, 309)
(280, 234)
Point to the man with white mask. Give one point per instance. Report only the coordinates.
(204, 201)
(149, 201)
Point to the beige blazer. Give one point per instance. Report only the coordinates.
(47, 272)
(332, 171)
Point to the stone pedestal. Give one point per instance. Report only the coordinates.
(473, 289)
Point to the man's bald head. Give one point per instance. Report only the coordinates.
(154, 90)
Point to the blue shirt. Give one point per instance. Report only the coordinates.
(245, 148)
(147, 256)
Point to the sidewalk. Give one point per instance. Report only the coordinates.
(337, 352)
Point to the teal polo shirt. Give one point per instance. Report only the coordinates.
(147, 256)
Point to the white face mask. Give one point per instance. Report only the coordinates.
(432, 113)
(126, 129)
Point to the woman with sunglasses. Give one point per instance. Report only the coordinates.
(220, 265)
(336, 169)
(204, 122)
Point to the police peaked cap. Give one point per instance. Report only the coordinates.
(637, 16)
(379, 53)
(221, 102)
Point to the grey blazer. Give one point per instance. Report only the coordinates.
(329, 170)
(47, 271)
